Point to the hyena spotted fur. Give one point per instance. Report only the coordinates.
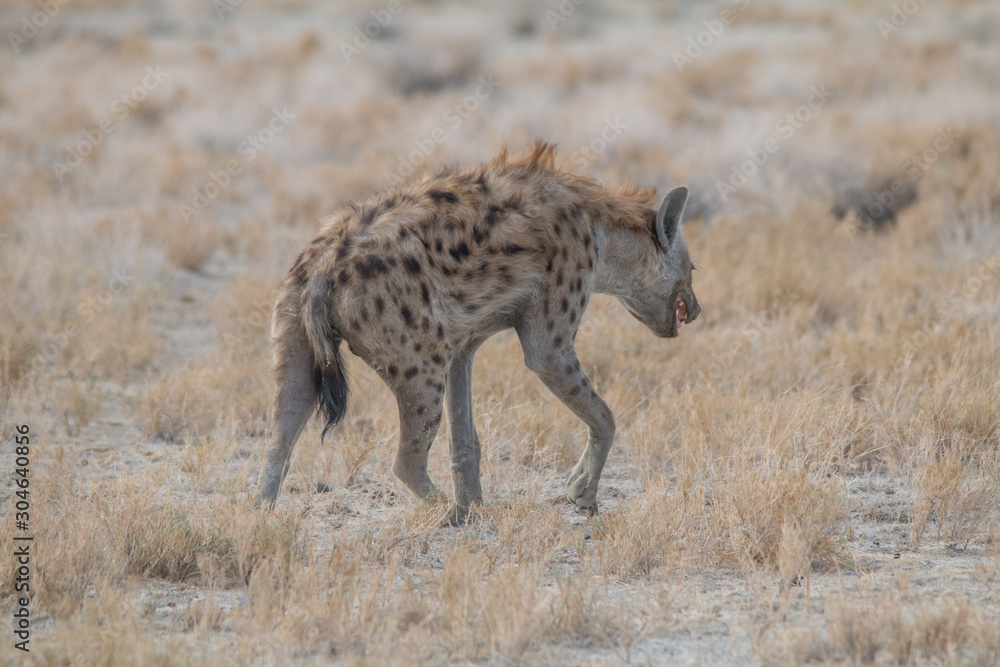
(416, 279)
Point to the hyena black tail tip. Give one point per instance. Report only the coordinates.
(331, 389)
(329, 377)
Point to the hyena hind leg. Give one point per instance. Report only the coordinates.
(420, 402)
(294, 402)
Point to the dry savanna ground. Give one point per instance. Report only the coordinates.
(809, 474)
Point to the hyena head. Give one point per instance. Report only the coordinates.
(661, 295)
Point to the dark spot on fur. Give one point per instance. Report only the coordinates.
(411, 264)
(565, 305)
(379, 305)
(371, 265)
(440, 332)
(550, 325)
(421, 409)
(417, 347)
(574, 391)
(557, 229)
(492, 217)
(572, 316)
(559, 279)
(479, 235)
(342, 252)
(438, 246)
(425, 323)
(565, 253)
(411, 372)
(393, 371)
(407, 315)
(437, 359)
(569, 369)
(583, 300)
(460, 251)
(402, 233)
(442, 196)
(425, 293)
(557, 341)
(343, 277)
(368, 215)
(548, 265)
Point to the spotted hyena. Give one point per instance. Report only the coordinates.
(415, 279)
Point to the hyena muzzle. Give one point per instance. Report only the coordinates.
(416, 279)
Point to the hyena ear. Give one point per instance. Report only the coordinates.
(668, 218)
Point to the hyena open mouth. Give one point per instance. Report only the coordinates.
(681, 312)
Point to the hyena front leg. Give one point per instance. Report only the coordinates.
(419, 399)
(553, 359)
(465, 447)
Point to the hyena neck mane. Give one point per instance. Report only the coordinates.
(622, 222)
(623, 225)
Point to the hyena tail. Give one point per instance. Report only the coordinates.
(329, 376)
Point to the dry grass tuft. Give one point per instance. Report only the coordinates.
(946, 632)
(186, 402)
(191, 246)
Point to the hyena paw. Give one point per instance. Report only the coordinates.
(456, 518)
(580, 494)
(435, 496)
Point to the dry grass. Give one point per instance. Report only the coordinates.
(807, 475)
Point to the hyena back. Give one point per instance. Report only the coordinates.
(416, 279)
